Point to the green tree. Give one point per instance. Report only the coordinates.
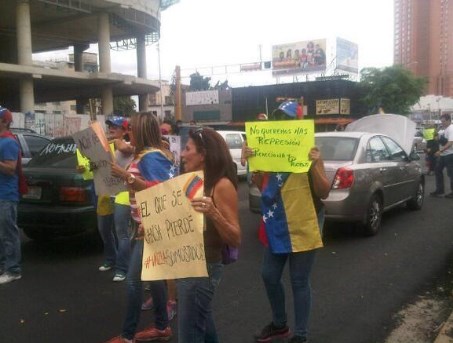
(392, 89)
(199, 82)
(124, 105)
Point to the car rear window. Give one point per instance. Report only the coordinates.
(233, 140)
(337, 148)
(59, 153)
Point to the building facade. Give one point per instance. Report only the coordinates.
(33, 26)
(423, 41)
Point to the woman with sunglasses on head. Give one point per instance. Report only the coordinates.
(152, 164)
(206, 150)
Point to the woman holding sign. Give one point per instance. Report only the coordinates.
(152, 164)
(206, 150)
(293, 217)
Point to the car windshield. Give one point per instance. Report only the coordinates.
(337, 148)
(60, 153)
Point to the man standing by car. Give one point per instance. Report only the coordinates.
(445, 155)
(9, 197)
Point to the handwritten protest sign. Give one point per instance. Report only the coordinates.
(89, 144)
(280, 146)
(173, 230)
(175, 147)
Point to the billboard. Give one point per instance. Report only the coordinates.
(333, 106)
(210, 97)
(299, 57)
(347, 55)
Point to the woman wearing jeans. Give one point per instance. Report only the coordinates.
(293, 217)
(206, 150)
(152, 164)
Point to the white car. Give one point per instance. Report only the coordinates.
(234, 141)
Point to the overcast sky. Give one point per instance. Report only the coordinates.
(204, 33)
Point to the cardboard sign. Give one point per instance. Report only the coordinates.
(173, 230)
(280, 146)
(93, 147)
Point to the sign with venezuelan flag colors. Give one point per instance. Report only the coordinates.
(173, 230)
(280, 146)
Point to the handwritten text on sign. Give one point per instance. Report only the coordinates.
(280, 146)
(173, 230)
(89, 144)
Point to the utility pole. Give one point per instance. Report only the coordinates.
(178, 107)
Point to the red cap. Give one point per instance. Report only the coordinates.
(5, 115)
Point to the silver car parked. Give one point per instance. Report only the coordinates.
(370, 174)
(372, 168)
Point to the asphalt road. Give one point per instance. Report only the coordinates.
(358, 283)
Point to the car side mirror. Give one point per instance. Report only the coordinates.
(414, 156)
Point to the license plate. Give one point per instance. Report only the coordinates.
(34, 192)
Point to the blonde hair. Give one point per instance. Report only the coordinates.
(146, 130)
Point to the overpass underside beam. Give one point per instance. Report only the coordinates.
(76, 5)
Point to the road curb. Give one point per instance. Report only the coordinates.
(446, 332)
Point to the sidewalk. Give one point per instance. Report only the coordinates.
(446, 332)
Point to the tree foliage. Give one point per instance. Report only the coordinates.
(124, 105)
(199, 82)
(394, 89)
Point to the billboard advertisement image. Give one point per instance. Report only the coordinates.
(299, 57)
(347, 55)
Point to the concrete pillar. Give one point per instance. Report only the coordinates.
(24, 54)
(141, 70)
(78, 56)
(107, 100)
(23, 29)
(27, 95)
(78, 66)
(104, 60)
(104, 43)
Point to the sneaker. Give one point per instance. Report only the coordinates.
(270, 332)
(436, 194)
(148, 304)
(297, 339)
(154, 334)
(120, 339)
(105, 267)
(171, 309)
(449, 196)
(8, 277)
(119, 277)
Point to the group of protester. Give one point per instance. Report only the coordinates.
(293, 233)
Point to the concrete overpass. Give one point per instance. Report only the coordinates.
(31, 26)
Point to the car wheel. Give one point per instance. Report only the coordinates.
(416, 202)
(373, 216)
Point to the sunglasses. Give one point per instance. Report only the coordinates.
(199, 133)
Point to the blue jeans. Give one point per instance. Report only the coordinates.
(444, 162)
(300, 266)
(10, 249)
(106, 230)
(122, 216)
(135, 295)
(195, 321)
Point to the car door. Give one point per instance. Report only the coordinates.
(383, 171)
(405, 181)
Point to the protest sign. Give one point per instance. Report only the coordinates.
(280, 146)
(173, 230)
(92, 147)
(175, 148)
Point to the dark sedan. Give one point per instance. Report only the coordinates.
(59, 202)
